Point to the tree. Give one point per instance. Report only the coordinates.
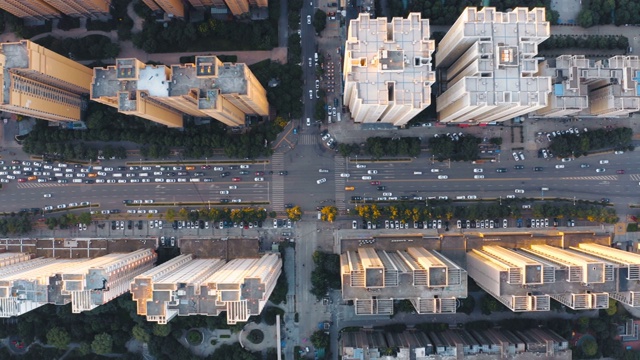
(84, 218)
(182, 213)
(320, 340)
(170, 215)
(329, 213)
(589, 346)
(139, 333)
(102, 344)
(58, 337)
(161, 330)
(319, 20)
(295, 213)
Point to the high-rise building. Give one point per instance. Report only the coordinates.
(186, 286)
(41, 83)
(387, 69)
(209, 88)
(374, 279)
(583, 87)
(47, 9)
(487, 66)
(171, 7)
(87, 283)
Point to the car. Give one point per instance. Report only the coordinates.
(283, 173)
(518, 167)
(511, 196)
(308, 122)
(218, 168)
(375, 183)
(310, 94)
(459, 224)
(47, 195)
(258, 179)
(584, 166)
(519, 191)
(233, 187)
(366, 177)
(618, 152)
(566, 159)
(62, 206)
(345, 175)
(372, 172)
(381, 188)
(387, 194)
(224, 192)
(275, 223)
(435, 170)
(521, 155)
(501, 170)
(308, 19)
(600, 170)
(478, 176)
(317, 84)
(361, 166)
(619, 171)
(604, 162)
(354, 224)
(443, 177)
(560, 166)
(236, 179)
(538, 168)
(478, 170)
(505, 223)
(244, 166)
(515, 156)
(321, 181)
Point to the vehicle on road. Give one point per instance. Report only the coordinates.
(372, 172)
(361, 166)
(600, 170)
(560, 166)
(604, 162)
(478, 176)
(538, 168)
(345, 175)
(518, 167)
(519, 191)
(258, 179)
(584, 166)
(321, 181)
(501, 170)
(308, 19)
(354, 224)
(47, 195)
(478, 170)
(366, 177)
(443, 177)
(566, 159)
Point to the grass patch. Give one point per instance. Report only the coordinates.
(194, 337)
(632, 227)
(255, 336)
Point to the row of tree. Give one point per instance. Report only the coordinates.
(602, 12)
(592, 42)
(326, 274)
(21, 223)
(67, 220)
(463, 149)
(597, 139)
(378, 147)
(92, 47)
(218, 214)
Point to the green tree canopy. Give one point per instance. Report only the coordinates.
(102, 344)
(58, 337)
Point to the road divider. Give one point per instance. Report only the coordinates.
(198, 203)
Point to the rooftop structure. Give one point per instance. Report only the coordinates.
(487, 66)
(86, 283)
(209, 88)
(373, 279)
(41, 83)
(387, 68)
(583, 87)
(186, 286)
(457, 343)
(47, 9)
(171, 7)
(526, 279)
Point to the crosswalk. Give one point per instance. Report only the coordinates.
(277, 182)
(599, 177)
(38, 185)
(308, 139)
(339, 166)
(635, 177)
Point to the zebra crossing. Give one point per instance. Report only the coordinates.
(339, 166)
(308, 139)
(635, 177)
(38, 185)
(599, 177)
(277, 182)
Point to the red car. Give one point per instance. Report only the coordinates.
(620, 171)
(236, 179)
(205, 167)
(259, 173)
(22, 180)
(375, 183)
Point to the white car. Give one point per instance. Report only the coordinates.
(372, 172)
(559, 166)
(258, 179)
(224, 192)
(321, 181)
(317, 84)
(308, 19)
(153, 211)
(308, 122)
(511, 196)
(361, 166)
(443, 177)
(123, 181)
(618, 152)
(311, 94)
(354, 224)
(515, 156)
(477, 170)
(244, 166)
(232, 187)
(604, 161)
(478, 176)
(387, 194)
(435, 170)
(366, 177)
(519, 191)
(62, 206)
(566, 159)
(47, 195)
(600, 170)
(149, 201)
(345, 175)
(218, 168)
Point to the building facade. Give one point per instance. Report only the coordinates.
(387, 69)
(47, 9)
(41, 83)
(171, 7)
(164, 94)
(487, 66)
(186, 286)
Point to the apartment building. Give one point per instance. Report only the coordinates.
(373, 279)
(588, 88)
(171, 7)
(187, 286)
(387, 69)
(41, 83)
(454, 343)
(87, 283)
(164, 94)
(47, 9)
(487, 66)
